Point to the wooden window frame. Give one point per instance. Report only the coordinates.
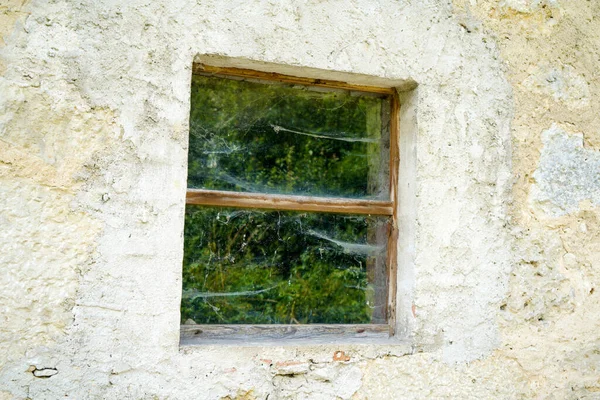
(312, 333)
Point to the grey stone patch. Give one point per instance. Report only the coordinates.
(567, 174)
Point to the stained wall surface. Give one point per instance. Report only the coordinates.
(499, 252)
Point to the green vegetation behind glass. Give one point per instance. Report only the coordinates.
(271, 267)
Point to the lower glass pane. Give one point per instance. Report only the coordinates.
(283, 267)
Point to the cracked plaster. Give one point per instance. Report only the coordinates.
(497, 300)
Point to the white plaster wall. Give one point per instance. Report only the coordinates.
(94, 102)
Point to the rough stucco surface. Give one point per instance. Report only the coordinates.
(502, 265)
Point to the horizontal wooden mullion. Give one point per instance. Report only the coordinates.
(201, 69)
(286, 202)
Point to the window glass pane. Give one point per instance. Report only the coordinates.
(287, 139)
(283, 267)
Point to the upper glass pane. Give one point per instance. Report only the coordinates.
(267, 137)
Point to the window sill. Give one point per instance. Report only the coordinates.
(286, 335)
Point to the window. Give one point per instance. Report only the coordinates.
(290, 209)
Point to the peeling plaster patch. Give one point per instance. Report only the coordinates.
(291, 368)
(423, 376)
(567, 173)
(323, 382)
(40, 263)
(340, 356)
(562, 83)
(10, 13)
(47, 146)
(6, 395)
(241, 395)
(530, 18)
(528, 6)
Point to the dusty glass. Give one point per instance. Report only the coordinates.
(251, 136)
(283, 267)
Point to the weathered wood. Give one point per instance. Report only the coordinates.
(202, 69)
(377, 273)
(312, 332)
(287, 202)
(392, 247)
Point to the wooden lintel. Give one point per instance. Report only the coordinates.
(287, 202)
(201, 69)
